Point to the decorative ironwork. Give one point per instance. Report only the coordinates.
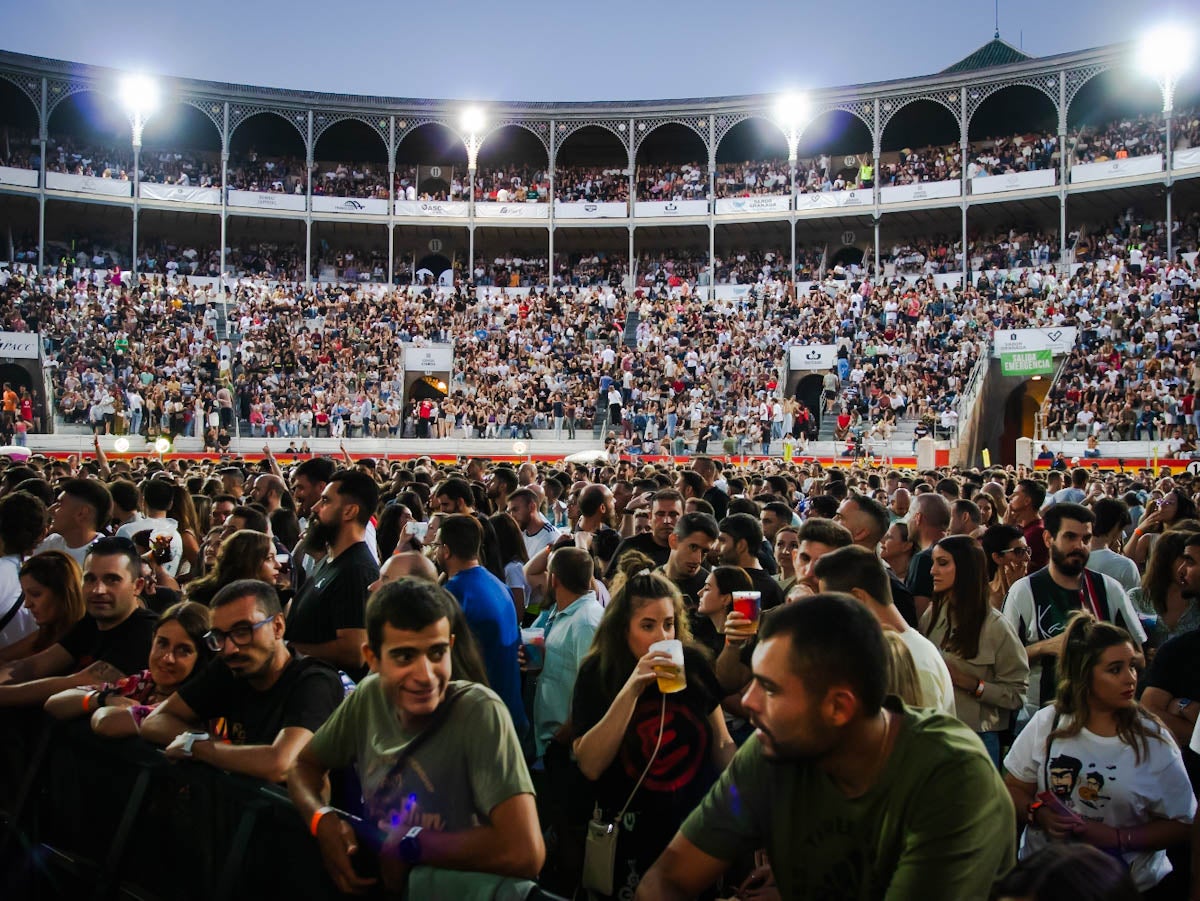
(323, 121)
(30, 87)
(58, 90)
(889, 107)
(728, 122)
(539, 129)
(643, 127)
(977, 93)
(298, 119)
(1077, 78)
(616, 127)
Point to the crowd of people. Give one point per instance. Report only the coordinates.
(623, 680)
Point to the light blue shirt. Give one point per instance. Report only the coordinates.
(569, 634)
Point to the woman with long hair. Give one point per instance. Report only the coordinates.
(177, 652)
(618, 703)
(716, 600)
(1173, 507)
(1165, 611)
(1007, 553)
(243, 555)
(988, 516)
(987, 663)
(1097, 767)
(513, 556)
(53, 587)
(183, 511)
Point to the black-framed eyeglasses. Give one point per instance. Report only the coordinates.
(1023, 551)
(241, 634)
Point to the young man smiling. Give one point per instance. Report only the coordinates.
(440, 764)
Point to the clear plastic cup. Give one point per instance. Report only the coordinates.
(534, 641)
(749, 605)
(671, 677)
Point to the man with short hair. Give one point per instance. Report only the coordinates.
(309, 479)
(110, 642)
(1172, 683)
(928, 524)
(1039, 605)
(233, 481)
(222, 508)
(1023, 512)
(689, 484)
(965, 517)
(537, 532)
(158, 495)
(856, 571)
(325, 619)
(462, 801)
(707, 468)
(77, 518)
(488, 606)
(868, 521)
(501, 484)
(666, 506)
(1112, 516)
(455, 496)
(853, 794)
(268, 491)
(269, 701)
(816, 538)
(739, 540)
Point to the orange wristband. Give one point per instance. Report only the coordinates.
(87, 701)
(316, 819)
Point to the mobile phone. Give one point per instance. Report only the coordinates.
(285, 564)
(417, 529)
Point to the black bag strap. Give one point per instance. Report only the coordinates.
(440, 716)
(12, 611)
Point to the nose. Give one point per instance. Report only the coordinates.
(751, 697)
(422, 671)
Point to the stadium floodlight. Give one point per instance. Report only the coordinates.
(121, 445)
(162, 445)
(1164, 53)
(791, 110)
(473, 120)
(139, 96)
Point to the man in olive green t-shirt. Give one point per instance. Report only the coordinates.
(854, 796)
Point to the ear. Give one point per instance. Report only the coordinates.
(371, 659)
(1048, 538)
(672, 541)
(840, 706)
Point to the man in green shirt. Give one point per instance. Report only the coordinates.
(854, 795)
(462, 799)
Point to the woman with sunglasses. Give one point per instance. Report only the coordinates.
(1008, 557)
(1097, 767)
(178, 652)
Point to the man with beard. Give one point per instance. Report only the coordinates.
(853, 794)
(326, 618)
(1173, 680)
(269, 701)
(1039, 605)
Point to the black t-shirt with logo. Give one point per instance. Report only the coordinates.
(304, 696)
(126, 646)
(333, 597)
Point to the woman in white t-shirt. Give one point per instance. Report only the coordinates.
(1096, 766)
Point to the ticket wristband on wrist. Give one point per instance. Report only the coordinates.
(316, 819)
(1031, 813)
(979, 689)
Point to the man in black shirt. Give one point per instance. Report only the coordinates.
(741, 536)
(269, 701)
(111, 641)
(326, 620)
(691, 541)
(666, 506)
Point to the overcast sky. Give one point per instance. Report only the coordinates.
(536, 50)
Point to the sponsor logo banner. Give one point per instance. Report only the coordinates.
(1013, 181)
(267, 200)
(438, 208)
(26, 178)
(1058, 340)
(87, 184)
(586, 210)
(1182, 159)
(491, 210)
(813, 356)
(825, 200)
(759, 203)
(19, 345)
(351, 205)
(647, 208)
(428, 359)
(1134, 165)
(926, 190)
(180, 194)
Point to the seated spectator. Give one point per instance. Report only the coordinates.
(1117, 777)
(243, 555)
(440, 764)
(267, 701)
(117, 709)
(925, 774)
(52, 587)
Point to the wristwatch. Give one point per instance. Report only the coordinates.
(191, 738)
(410, 846)
(1182, 705)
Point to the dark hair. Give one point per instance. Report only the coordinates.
(995, 540)
(693, 480)
(318, 469)
(835, 641)
(690, 523)
(1109, 513)
(876, 512)
(590, 499)
(1184, 507)
(950, 487)
(966, 602)
(266, 598)
(743, 527)
(387, 530)
(573, 567)
(605, 543)
(253, 518)
(95, 495)
(1035, 489)
(358, 488)
(58, 572)
(462, 535)
(780, 510)
(415, 604)
(823, 506)
(732, 578)
(507, 476)
(1069, 872)
(240, 556)
(508, 536)
(22, 523)
(970, 508)
(456, 490)
(1053, 518)
(125, 494)
(854, 567)
(825, 531)
(666, 494)
(157, 494)
(285, 526)
(117, 547)
(195, 620)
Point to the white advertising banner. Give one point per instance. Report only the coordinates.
(1059, 340)
(19, 345)
(267, 200)
(180, 194)
(827, 200)
(1014, 181)
(585, 210)
(1182, 159)
(87, 184)
(813, 356)
(925, 190)
(647, 208)
(372, 205)
(26, 178)
(448, 209)
(439, 358)
(1134, 165)
(759, 203)
(491, 210)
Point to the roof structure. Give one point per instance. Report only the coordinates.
(994, 53)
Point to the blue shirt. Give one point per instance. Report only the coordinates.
(569, 634)
(488, 607)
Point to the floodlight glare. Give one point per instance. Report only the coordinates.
(472, 120)
(1166, 51)
(791, 109)
(139, 94)
(121, 445)
(162, 445)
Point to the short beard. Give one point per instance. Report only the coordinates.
(1068, 564)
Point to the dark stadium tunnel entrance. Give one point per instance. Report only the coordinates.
(847, 256)
(808, 392)
(1020, 412)
(434, 263)
(429, 387)
(17, 376)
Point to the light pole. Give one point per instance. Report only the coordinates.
(1164, 54)
(792, 115)
(472, 122)
(139, 96)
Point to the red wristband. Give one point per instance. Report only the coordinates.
(316, 819)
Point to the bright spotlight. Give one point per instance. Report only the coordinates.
(1165, 51)
(519, 448)
(121, 445)
(472, 120)
(791, 109)
(162, 445)
(139, 94)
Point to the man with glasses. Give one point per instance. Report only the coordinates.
(270, 702)
(110, 642)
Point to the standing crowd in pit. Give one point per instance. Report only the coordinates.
(626, 680)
